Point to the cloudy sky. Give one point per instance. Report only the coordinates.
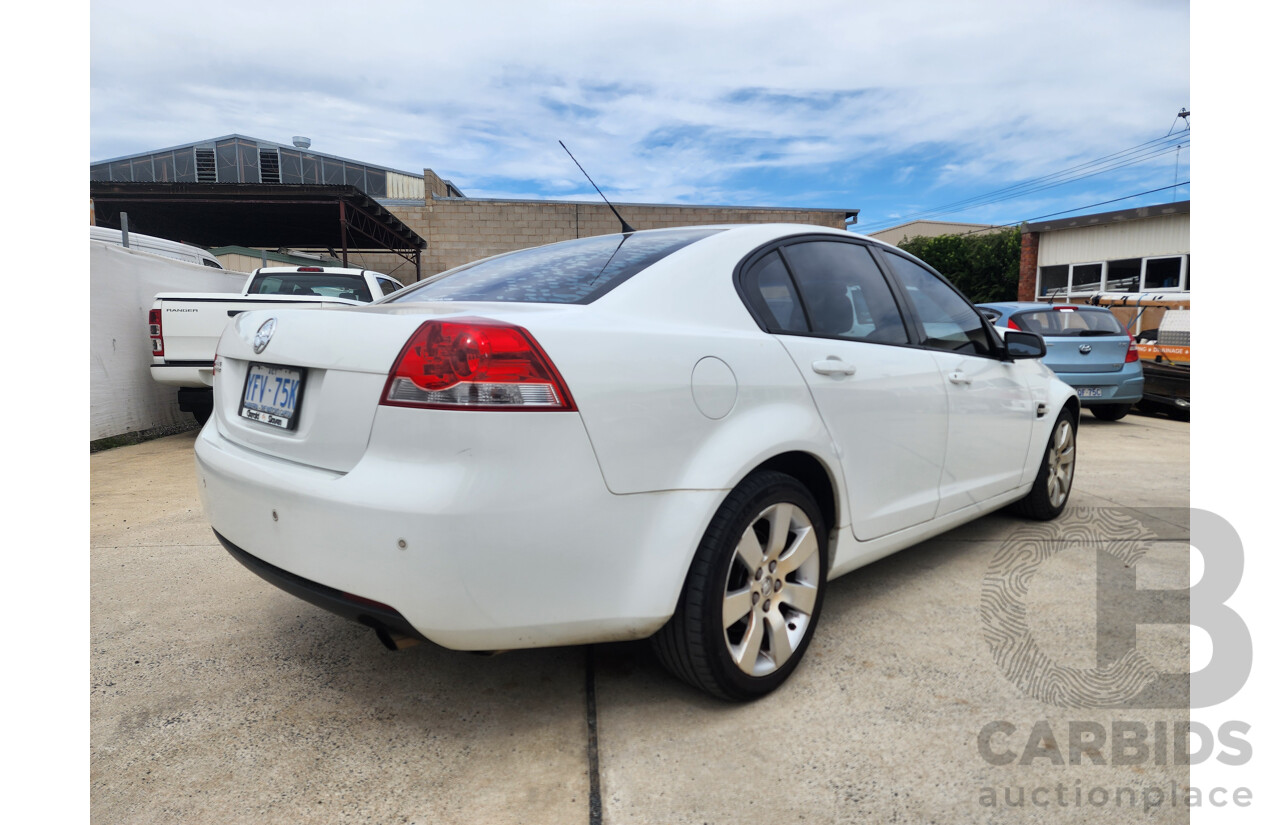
(898, 109)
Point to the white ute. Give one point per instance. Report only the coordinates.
(185, 327)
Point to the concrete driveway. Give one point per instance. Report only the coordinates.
(217, 698)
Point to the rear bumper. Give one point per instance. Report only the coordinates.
(184, 374)
(1121, 387)
(508, 541)
(335, 601)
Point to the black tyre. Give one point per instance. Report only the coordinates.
(202, 415)
(1110, 412)
(1048, 496)
(753, 594)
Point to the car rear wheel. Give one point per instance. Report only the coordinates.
(1048, 496)
(753, 594)
(1110, 412)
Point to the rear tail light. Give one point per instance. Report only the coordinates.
(156, 331)
(1132, 354)
(1014, 325)
(475, 364)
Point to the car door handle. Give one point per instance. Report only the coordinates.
(959, 377)
(833, 366)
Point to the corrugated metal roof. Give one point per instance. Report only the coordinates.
(209, 142)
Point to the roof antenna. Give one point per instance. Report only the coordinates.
(627, 228)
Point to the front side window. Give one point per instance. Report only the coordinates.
(949, 322)
(844, 292)
(571, 272)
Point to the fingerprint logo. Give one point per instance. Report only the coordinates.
(1004, 611)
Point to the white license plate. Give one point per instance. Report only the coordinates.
(272, 395)
(1089, 392)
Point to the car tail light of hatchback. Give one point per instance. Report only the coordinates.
(1012, 324)
(1132, 354)
(157, 332)
(475, 364)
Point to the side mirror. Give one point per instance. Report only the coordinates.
(1019, 344)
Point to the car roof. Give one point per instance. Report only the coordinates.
(1022, 306)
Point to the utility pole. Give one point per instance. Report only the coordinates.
(1177, 159)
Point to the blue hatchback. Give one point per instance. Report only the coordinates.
(1086, 346)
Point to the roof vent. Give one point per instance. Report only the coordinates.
(302, 142)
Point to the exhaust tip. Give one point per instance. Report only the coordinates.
(394, 641)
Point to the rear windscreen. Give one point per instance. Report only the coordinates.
(572, 272)
(1069, 322)
(322, 284)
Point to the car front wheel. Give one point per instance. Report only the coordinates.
(1048, 496)
(753, 594)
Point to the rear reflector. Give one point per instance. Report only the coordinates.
(475, 364)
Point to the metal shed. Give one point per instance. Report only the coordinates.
(336, 219)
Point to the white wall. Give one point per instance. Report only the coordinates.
(1160, 235)
(122, 285)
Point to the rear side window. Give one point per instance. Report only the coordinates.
(844, 292)
(773, 297)
(572, 272)
(1069, 322)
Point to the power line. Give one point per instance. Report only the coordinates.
(1117, 160)
(1186, 182)
(1066, 211)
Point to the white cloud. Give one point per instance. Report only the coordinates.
(660, 101)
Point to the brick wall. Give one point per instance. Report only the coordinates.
(460, 230)
(1028, 265)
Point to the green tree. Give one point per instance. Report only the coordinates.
(984, 267)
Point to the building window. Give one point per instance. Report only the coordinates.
(1053, 280)
(1163, 274)
(1086, 278)
(1124, 275)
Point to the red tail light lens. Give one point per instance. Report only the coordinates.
(475, 364)
(1014, 325)
(1132, 354)
(157, 332)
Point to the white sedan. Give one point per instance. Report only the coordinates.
(677, 433)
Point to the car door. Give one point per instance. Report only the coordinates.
(882, 400)
(989, 403)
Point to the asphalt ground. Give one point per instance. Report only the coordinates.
(218, 698)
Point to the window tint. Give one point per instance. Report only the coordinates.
(844, 292)
(773, 297)
(388, 286)
(572, 272)
(950, 323)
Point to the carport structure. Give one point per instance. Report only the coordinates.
(337, 219)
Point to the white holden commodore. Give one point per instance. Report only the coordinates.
(681, 434)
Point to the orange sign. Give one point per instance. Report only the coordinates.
(1172, 355)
